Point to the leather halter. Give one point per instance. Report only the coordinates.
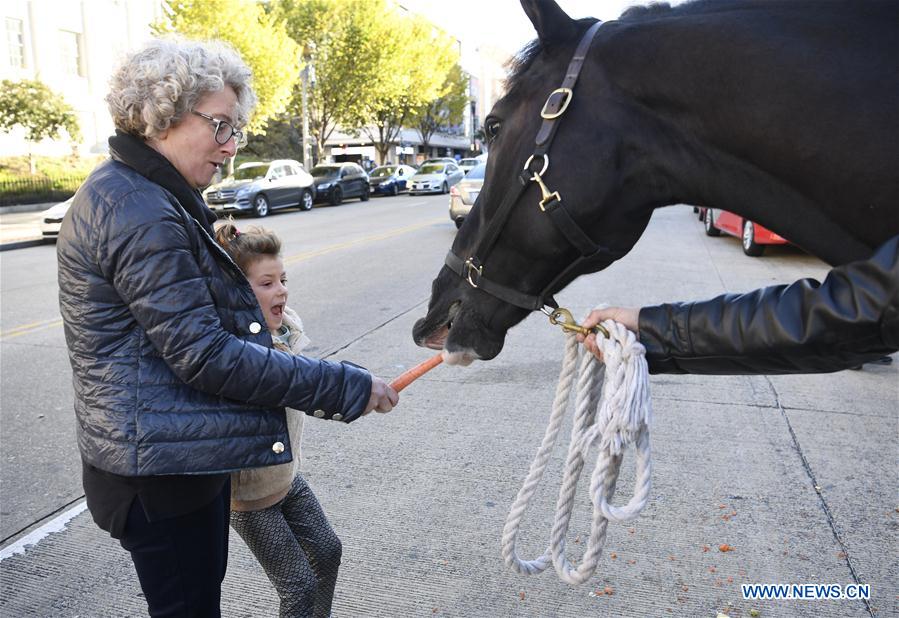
(472, 268)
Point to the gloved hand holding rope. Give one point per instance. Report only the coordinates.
(620, 417)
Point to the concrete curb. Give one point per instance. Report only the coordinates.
(21, 244)
(20, 225)
(8, 210)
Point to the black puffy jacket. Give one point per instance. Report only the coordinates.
(173, 367)
(804, 327)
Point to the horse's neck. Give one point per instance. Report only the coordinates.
(732, 121)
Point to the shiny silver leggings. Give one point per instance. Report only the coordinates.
(297, 548)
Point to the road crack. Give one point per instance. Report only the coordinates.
(825, 507)
(358, 338)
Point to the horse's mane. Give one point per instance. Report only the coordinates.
(520, 62)
(650, 10)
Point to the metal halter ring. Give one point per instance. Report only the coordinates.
(469, 266)
(527, 164)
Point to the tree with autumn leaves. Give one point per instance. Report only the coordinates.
(444, 111)
(258, 36)
(375, 65)
(347, 38)
(415, 65)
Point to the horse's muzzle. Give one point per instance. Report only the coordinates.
(459, 331)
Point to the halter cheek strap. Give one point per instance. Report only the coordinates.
(472, 268)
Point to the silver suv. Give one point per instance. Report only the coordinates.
(262, 187)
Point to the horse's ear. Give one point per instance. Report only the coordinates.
(551, 22)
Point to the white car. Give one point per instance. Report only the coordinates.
(466, 165)
(464, 194)
(51, 219)
(435, 178)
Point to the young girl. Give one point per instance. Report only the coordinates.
(272, 508)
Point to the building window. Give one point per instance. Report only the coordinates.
(15, 43)
(70, 50)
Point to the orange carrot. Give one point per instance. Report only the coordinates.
(406, 378)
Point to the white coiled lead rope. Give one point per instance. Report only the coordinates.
(622, 417)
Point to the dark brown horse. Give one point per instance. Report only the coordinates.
(785, 112)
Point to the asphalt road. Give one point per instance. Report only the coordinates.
(351, 269)
(796, 473)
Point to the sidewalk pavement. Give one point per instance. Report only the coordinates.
(20, 225)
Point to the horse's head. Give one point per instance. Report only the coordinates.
(512, 254)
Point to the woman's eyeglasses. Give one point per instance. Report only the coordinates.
(224, 130)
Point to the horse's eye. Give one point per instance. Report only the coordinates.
(491, 128)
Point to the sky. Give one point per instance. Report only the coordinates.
(502, 23)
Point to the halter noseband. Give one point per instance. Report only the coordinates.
(472, 268)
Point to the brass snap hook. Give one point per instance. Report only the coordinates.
(548, 196)
(562, 317)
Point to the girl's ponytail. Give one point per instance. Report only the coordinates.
(247, 247)
(226, 233)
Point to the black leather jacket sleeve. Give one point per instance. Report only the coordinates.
(148, 256)
(804, 327)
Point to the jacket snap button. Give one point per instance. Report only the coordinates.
(278, 447)
(255, 327)
(337, 417)
(319, 413)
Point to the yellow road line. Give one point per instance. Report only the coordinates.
(27, 329)
(301, 257)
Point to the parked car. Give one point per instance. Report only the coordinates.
(260, 187)
(438, 160)
(466, 165)
(51, 219)
(753, 236)
(464, 194)
(390, 179)
(336, 181)
(435, 178)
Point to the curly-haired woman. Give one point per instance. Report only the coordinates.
(176, 380)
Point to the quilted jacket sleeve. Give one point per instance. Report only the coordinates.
(805, 327)
(146, 252)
